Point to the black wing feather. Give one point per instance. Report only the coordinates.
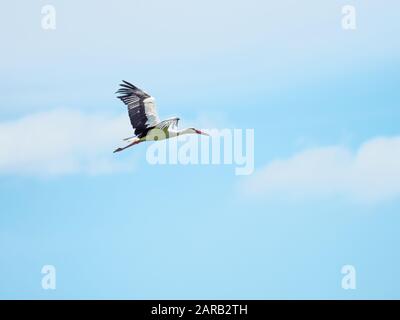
(133, 98)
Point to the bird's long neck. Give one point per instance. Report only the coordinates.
(183, 131)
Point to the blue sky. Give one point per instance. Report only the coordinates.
(117, 227)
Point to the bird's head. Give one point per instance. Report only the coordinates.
(197, 131)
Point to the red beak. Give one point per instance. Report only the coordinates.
(201, 132)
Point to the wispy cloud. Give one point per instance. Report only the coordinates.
(62, 141)
(369, 174)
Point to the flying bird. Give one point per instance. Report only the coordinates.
(144, 118)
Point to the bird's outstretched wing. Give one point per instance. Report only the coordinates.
(141, 108)
(172, 122)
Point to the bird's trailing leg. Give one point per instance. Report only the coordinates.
(129, 145)
(129, 138)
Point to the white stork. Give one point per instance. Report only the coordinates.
(144, 119)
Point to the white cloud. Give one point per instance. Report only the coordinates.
(370, 174)
(63, 141)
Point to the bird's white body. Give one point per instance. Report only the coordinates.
(161, 134)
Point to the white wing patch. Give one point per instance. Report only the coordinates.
(151, 111)
(171, 124)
